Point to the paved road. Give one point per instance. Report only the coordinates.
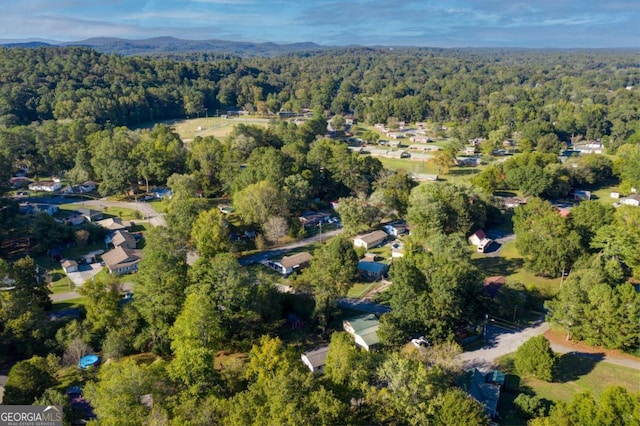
(501, 342)
(276, 252)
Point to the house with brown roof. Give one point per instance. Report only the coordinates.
(297, 261)
(121, 238)
(122, 260)
(480, 240)
(112, 224)
(370, 240)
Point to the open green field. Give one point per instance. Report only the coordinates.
(576, 374)
(208, 126)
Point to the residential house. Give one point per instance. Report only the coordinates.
(74, 219)
(91, 215)
(315, 358)
(311, 218)
(468, 161)
(19, 182)
(423, 177)
(485, 388)
(112, 224)
(121, 238)
(162, 193)
(122, 260)
(632, 200)
(396, 228)
(372, 271)
(580, 194)
(480, 240)
(364, 329)
(288, 264)
(370, 240)
(69, 266)
(89, 186)
(33, 208)
(420, 139)
(47, 186)
(512, 202)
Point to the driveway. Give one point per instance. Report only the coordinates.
(85, 273)
(500, 238)
(148, 212)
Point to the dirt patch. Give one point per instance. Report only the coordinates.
(559, 337)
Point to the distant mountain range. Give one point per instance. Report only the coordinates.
(171, 45)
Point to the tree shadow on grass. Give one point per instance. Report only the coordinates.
(492, 266)
(573, 365)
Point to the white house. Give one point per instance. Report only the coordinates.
(480, 240)
(48, 186)
(315, 358)
(288, 264)
(632, 200)
(370, 240)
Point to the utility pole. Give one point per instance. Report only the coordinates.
(206, 112)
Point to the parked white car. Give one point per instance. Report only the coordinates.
(420, 342)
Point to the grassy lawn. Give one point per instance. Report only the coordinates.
(62, 285)
(604, 194)
(67, 304)
(576, 374)
(208, 126)
(360, 289)
(122, 212)
(511, 265)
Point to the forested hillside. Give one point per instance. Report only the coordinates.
(571, 92)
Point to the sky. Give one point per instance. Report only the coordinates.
(434, 23)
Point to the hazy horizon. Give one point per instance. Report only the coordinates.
(456, 23)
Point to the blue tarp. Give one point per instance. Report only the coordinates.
(89, 361)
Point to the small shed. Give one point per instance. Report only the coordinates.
(315, 358)
(69, 266)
